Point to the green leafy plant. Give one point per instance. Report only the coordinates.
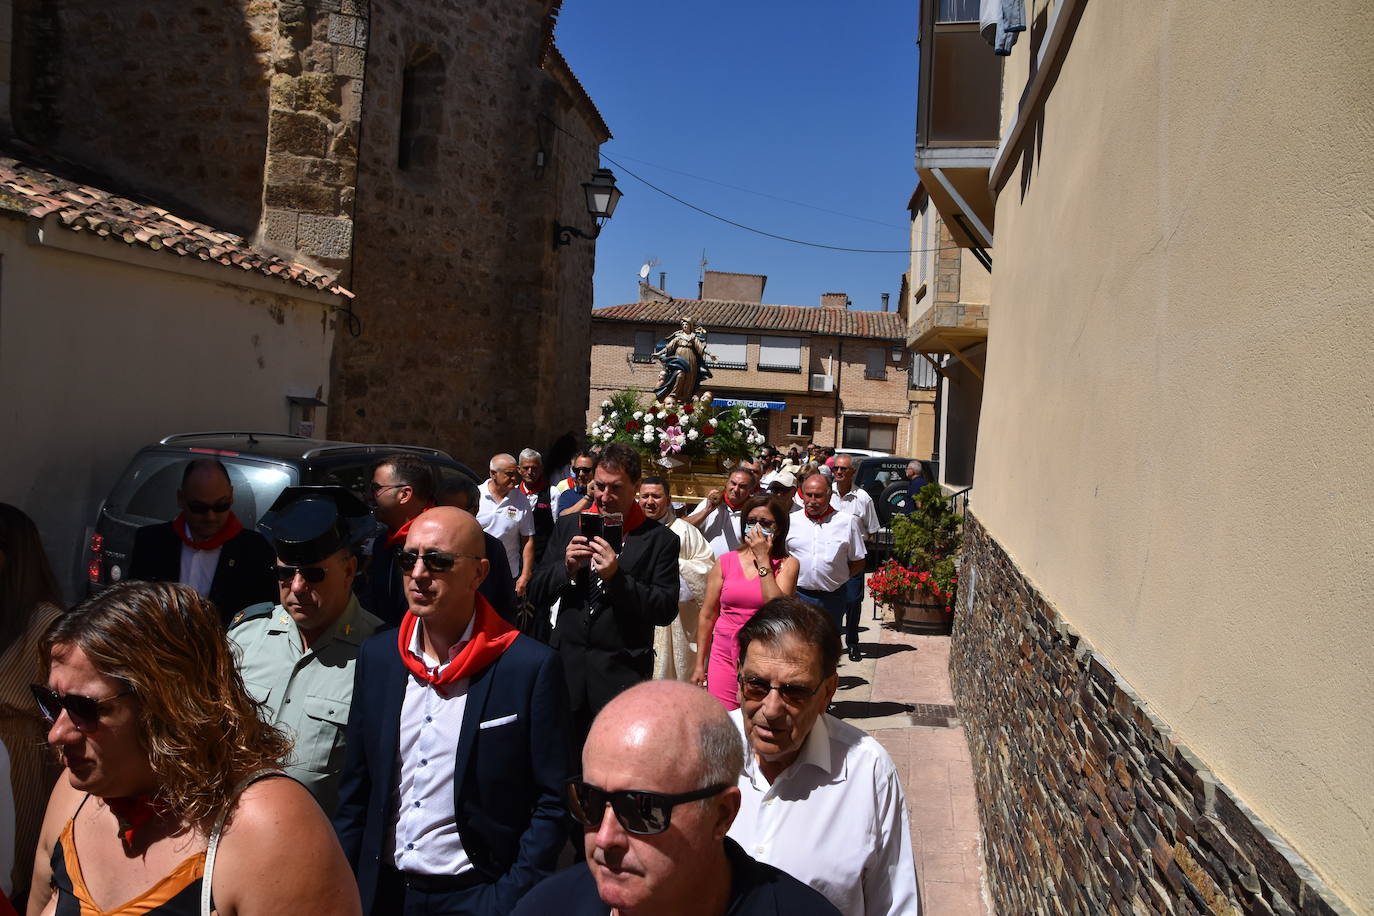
(925, 547)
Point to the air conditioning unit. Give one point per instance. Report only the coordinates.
(822, 383)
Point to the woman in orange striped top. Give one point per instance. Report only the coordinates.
(169, 770)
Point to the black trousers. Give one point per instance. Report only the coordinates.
(401, 894)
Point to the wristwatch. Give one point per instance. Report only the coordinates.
(763, 570)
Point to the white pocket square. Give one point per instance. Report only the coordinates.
(492, 723)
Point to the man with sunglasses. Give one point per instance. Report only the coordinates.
(655, 799)
(451, 798)
(583, 466)
(402, 487)
(297, 656)
(820, 798)
(206, 546)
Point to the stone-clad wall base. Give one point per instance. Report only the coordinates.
(1089, 804)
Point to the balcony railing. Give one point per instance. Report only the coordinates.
(770, 367)
(641, 357)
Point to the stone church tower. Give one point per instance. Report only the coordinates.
(421, 151)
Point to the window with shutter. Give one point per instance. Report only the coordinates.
(730, 350)
(780, 354)
(875, 363)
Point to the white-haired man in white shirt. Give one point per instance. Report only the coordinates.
(820, 799)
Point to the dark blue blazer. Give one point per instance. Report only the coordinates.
(508, 787)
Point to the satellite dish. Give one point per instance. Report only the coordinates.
(644, 272)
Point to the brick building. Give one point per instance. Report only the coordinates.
(418, 154)
(820, 374)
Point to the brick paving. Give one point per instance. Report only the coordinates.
(902, 680)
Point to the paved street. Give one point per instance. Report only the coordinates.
(900, 693)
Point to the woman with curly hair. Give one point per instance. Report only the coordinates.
(172, 801)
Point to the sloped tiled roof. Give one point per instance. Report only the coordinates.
(718, 313)
(38, 193)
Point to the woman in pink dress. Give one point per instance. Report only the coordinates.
(747, 577)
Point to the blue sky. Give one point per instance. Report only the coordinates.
(811, 101)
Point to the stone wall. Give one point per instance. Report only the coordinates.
(1089, 804)
(315, 107)
(166, 97)
(475, 329)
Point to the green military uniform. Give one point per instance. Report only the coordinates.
(305, 692)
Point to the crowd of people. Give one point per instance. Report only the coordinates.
(429, 701)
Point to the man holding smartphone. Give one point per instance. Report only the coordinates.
(614, 570)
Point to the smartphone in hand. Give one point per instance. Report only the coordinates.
(589, 525)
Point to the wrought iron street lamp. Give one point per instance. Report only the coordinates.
(602, 197)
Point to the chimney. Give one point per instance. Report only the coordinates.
(834, 301)
(663, 280)
(886, 297)
(719, 284)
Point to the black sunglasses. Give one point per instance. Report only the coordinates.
(375, 487)
(83, 711)
(312, 574)
(435, 560)
(642, 813)
(580, 471)
(756, 688)
(196, 507)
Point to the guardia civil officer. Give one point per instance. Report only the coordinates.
(297, 657)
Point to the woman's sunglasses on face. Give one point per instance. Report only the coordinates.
(83, 711)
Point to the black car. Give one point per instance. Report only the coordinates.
(260, 466)
(884, 479)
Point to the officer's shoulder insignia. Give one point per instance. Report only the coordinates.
(252, 612)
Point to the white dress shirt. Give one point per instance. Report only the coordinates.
(198, 568)
(835, 819)
(721, 529)
(825, 548)
(506, 520)
(859, 504)
(424, 833)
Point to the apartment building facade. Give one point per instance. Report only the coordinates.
(828, 374)
(1161, 653)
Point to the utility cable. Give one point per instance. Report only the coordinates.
(739, 225)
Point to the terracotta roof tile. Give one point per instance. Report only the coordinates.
(38, 193)
(719, 313)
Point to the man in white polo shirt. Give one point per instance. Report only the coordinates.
(505, 513)
(828, 545)
(717, 518)
(851, 499)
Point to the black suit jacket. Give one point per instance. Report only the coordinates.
(608, 648)
(243, 575)
(509, 776)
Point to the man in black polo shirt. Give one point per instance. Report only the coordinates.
(667, 759)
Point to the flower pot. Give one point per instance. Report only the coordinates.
(923, 614)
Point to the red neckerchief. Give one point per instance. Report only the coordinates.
(490, 637)
(232, 526)
(633, 519)
(398, 537)
(731, 506)
(528, 492)
(829, 511)
(130, 814)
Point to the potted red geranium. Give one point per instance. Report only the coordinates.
(920, 581)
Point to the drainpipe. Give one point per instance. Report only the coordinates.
(839, 415)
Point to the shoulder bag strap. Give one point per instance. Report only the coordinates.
(213, 848)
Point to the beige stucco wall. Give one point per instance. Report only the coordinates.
(1179, 408)
(98, 358)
